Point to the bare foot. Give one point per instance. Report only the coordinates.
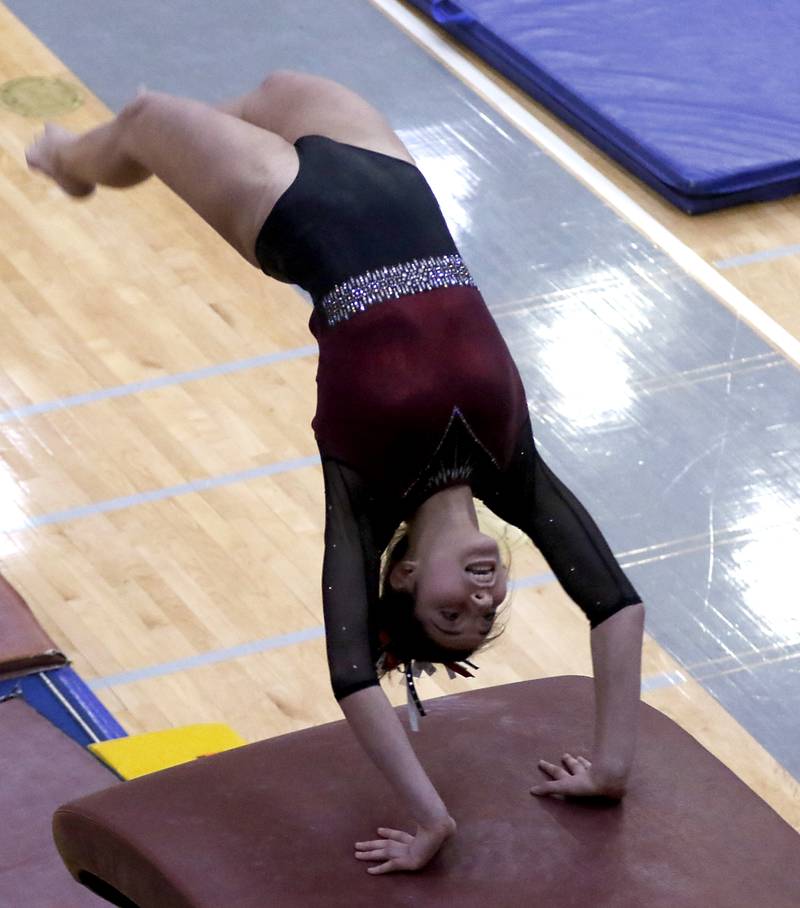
(42, 155)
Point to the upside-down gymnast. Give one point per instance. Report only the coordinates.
(420, 408)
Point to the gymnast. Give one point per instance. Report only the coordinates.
(420, 410)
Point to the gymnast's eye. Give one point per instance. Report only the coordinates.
(450, 616)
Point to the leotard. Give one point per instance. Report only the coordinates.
(416, 390)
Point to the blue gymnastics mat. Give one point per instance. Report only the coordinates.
(62, 697)
(698, 98)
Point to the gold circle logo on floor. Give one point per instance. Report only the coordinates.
(37, 96)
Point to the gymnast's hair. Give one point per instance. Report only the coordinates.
(402, 635)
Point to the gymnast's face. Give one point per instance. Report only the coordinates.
(457, 587)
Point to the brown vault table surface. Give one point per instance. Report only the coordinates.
(24, 646)
(39, 768)
(273, 823)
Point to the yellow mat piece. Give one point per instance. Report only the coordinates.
(139, 755)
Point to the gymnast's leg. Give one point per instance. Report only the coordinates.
(229, 171)
(294, 104)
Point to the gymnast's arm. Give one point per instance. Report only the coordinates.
(616, 657)
(533, 499)
(375, 724)
(350, 579)
(617, 663)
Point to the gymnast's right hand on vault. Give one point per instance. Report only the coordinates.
(398, 850)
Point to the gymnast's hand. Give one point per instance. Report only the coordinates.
(578, 779)
(399, 850)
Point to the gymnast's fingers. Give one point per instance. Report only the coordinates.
(546, 788)
(371, 846)
(555, 772)
(388, 867)
(572, 764)
(584, 763)
(378, 854)
(396, 835)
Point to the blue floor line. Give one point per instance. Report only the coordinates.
(152, 384)
(209, 658)
(765, 255)
(198, 485)
(148, 673)
(534, 580)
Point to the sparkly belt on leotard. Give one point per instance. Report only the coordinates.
(358, 293)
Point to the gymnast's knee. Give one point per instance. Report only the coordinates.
(280, 81)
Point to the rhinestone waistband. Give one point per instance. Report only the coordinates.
(358, 293)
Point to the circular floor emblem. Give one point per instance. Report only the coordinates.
(36, 96)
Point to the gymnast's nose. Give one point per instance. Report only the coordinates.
(482, 597)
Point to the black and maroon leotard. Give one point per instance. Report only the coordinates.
(416, 390)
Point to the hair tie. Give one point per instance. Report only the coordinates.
(413, 697)
(413, 702)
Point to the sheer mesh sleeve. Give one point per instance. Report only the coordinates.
(350, 572)
(532, 498)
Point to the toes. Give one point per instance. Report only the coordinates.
(33, 154)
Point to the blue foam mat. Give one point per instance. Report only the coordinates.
(64, 699)
(698, 98)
